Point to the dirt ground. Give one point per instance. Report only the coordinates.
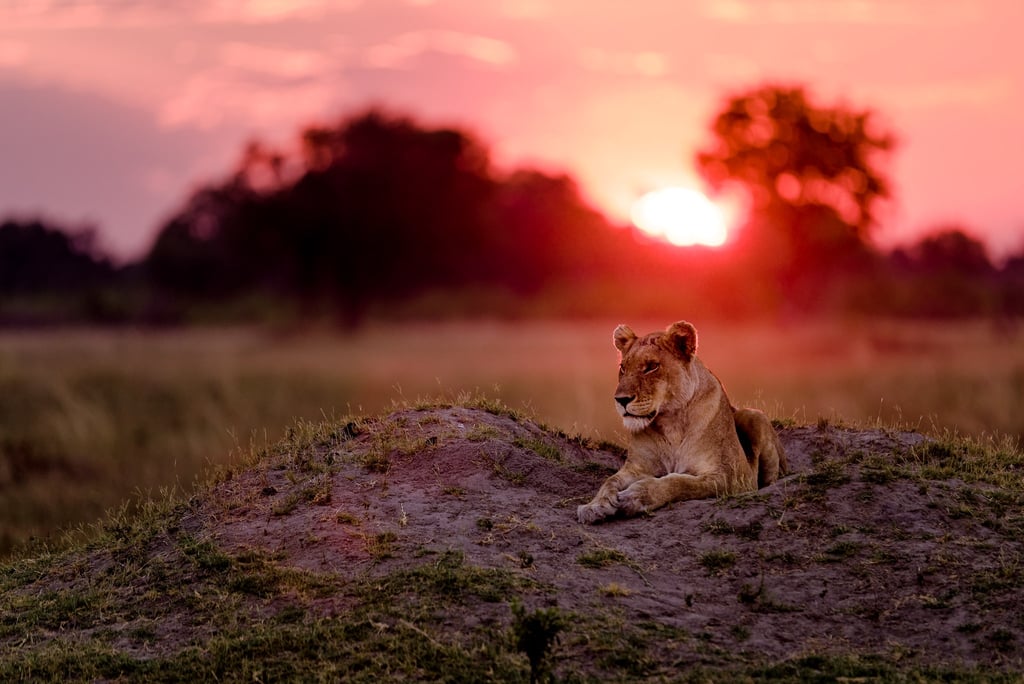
(844, 555)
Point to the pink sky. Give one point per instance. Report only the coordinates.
(112, 110)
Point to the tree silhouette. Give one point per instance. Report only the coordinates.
(197, 252)
(36, 257)
(387, 209)
(546, 233)
(812, 176)
(947, 272)
(787, 151)
(949, 250)
(374, 209)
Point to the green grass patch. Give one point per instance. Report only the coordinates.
(717, 561)
(603, 557)
(544, 449)
(390, 628)
(760, 600)
(718, 526)
(827, 474)
(996, 462)
(381, 546)
(346, 518)
(840, 551)
(482, 432)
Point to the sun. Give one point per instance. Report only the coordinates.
(682, 216)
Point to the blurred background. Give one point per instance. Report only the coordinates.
(219, 217)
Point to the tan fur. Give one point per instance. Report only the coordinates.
(688, 442)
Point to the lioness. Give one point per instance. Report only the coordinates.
(688, 442)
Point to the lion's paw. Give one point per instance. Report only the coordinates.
(635, 501)
(594, 511)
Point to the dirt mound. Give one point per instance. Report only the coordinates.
(839, 555)
(428, 523)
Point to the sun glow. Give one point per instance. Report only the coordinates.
(682, 216)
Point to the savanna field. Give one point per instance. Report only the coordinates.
(91, 418)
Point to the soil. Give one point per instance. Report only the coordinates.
(837, 557)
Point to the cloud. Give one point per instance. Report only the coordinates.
(50, 14)
(651, 64)
(272, 11)
(218, 97)
(61, 14)
(256, 86)
(526, 9)
(907, 12)
(736, 11)
(282, 63)
(400, 51)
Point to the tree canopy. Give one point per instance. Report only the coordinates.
(376, 208)
(813, 177)
(785, 150)
(36, 256)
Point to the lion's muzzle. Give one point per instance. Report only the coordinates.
(636, 415)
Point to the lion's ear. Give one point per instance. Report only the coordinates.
(682, 337)
(624, 337)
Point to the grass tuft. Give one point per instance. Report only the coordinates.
(603, 557)
(717, 561)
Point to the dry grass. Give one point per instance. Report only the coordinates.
(90, 417)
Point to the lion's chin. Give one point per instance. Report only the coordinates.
(638, 423)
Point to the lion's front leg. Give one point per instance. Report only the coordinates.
(645, 495)
(606, 502)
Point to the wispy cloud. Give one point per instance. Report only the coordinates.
(526, 9)
(258, 86)
(839, 11)
(651, 64)
(402, 50)
(18, 14)
(271, 11)
(79, 14)
(278, 62)
(212, 99)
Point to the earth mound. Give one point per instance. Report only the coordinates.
(407, 546)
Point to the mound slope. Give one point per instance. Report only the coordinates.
(396, 546)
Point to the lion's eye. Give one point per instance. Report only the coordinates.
(651, 367)
(622, 369)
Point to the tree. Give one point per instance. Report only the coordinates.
(199, 251)
(812, 176)
(374, 209)
(947, 273)
(545, 232)
(949, 250)
(787, 151)
(386, 209)
(39, 258)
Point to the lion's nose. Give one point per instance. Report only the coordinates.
(624, 400)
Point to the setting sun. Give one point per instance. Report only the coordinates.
(682, 216)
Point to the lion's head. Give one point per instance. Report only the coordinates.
(654, 373)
